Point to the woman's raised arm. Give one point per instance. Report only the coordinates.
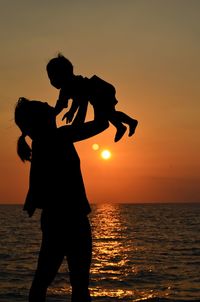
(85, 130)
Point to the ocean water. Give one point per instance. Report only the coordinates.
(140, 253)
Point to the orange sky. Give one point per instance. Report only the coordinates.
(149, 50)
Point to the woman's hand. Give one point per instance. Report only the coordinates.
(68, 116)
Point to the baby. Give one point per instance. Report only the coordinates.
(81, 90)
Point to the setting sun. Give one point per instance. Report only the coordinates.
(106, 154)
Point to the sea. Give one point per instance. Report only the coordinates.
(141, 252)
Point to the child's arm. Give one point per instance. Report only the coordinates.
(62, 102)
(81, 105)
(81, 114)
(60, 105)
(70, 114)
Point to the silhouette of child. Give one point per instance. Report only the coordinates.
(81, 90)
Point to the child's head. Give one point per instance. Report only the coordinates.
(33, 118)
(59, 70)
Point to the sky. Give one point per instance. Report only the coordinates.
(149, 50)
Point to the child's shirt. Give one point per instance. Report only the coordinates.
(98, 92)
(102, 93)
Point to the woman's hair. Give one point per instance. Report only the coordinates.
(21, 118)
(23, 149)
(33, 118)
(60, 64)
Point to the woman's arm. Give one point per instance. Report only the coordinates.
(83, 131)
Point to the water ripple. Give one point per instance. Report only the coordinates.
(140, 253)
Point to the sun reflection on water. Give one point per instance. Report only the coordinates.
(108, 236)
(109, 251)
(115, 271)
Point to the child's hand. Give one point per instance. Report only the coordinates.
(68, 116)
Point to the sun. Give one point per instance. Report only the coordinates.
(106, 154)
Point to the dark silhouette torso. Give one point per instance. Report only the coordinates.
(56, 182)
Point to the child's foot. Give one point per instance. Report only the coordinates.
(132, 127)
(120, 133)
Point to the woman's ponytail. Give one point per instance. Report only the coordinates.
(23, 149)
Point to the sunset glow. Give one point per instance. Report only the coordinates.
(149, 52)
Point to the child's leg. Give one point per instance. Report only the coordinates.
(121, 129)
(124, 118)
(114, 117)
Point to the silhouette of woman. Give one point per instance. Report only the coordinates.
(62, 198)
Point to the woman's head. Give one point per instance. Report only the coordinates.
(33, 118)
(59, 70)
